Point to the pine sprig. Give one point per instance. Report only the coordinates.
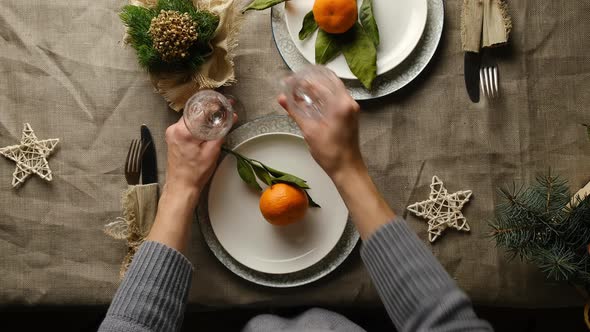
(138, 20)
(558, 262)
(539, 225)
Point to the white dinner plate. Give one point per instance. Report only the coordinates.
(240, 228)
(401, 24)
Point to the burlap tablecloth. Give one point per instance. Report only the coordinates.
(64, 70)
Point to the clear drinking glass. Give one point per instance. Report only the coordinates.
(208, 115)
(307, 89)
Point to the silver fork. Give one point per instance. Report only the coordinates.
(488, 77)
(133, 162)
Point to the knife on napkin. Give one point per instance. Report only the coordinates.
(472, 62)
(149, 164)
(471, 28)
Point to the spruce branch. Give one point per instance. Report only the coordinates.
(539, 225)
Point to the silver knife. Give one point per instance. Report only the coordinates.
(149, 164)
(472, 65)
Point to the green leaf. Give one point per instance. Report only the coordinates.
(291, 179)
(361, 55)
(308, 27)
(311, 202)
(284, 177)
(326, 47)
(368, 21)
(272, 171)
(261, 4)
(246, 173)
(262, 174)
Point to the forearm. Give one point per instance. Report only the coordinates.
(153, 294)
(174, 217)
(367, 207)
(418, 293)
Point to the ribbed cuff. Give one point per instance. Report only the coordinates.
(407, 276)
(155, 289)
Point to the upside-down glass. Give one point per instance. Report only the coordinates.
(307, 89)
(208, 115)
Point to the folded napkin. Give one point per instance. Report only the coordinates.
(484, 23)
(139, 211)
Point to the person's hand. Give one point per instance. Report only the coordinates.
(333, 139)
(191, 162)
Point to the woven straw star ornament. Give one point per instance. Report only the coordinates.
(30, 156)
(442, 210)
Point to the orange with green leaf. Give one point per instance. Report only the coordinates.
(342, 28)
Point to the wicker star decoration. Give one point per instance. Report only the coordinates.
(30, 156)
(442, 210)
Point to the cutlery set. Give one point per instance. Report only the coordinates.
(141, 164)
(485, 24)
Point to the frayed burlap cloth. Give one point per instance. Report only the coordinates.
(139, 204)
(218, 70)
(484, 23)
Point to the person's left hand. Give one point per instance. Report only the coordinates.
(191, 161)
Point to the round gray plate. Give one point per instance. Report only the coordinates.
(385, 84)
(273, 124)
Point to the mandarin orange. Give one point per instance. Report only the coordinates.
(283, 204)
(335, 16)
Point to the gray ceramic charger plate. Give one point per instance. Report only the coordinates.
(347, 242)
(385, 84)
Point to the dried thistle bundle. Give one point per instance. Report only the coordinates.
(171, 36)
(173, 33)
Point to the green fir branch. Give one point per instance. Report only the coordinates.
(538, 225)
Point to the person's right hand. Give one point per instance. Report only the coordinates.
(191, 162)
(333, 139)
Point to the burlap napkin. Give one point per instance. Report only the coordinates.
(139, 205)
(218, 70)
(484, 23)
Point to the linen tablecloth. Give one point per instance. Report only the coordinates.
(65, 70)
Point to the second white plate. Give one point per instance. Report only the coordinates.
(401, 24)
(242, 231)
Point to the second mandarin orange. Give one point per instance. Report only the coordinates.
(335, 16)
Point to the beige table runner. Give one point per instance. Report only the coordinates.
(64, 70)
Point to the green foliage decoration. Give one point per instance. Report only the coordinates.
(543, 224)
(139, 19)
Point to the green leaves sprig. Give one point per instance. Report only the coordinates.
(250, 169)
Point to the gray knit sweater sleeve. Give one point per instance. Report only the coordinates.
(153, 294)
(417, 292)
